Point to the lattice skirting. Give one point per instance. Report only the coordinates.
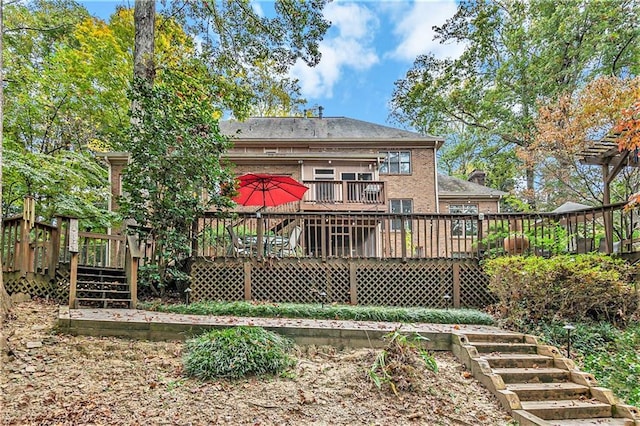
(37, 286)
(420, 282)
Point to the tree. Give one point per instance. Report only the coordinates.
(516, 55)
(176, 171)
(565, 126)
(248, 52)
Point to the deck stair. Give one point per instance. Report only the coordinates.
(537, 385)
(102, 287)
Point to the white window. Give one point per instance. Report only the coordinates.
(396, 163)
(464, 228)
(400, 206)
(325, 191)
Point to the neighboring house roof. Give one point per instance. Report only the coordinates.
(320, 129)
(452, 187)
(570, 206)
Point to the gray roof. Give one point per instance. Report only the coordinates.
(325, 128)
(570, 206)
(449, 186)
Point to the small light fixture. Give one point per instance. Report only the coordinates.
(569, 328)
(187, 292)
(447, 301)
(323, 298)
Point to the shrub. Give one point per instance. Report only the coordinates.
(237, 352)
(401, 363)
(580, 288)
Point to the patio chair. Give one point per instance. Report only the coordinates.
(238, 247)
(289, 247)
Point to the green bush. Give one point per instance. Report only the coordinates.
(610, 354)
(332, 312)
(579, 288)
(237, 352)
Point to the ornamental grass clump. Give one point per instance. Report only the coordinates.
(401, 364)
(237, 352)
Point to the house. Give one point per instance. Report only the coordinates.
(355, 166)
(352, 165)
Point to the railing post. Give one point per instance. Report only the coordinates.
(73, 280)
(353, 282)
(247, 280)
(54, 255)
(131, 267)
(25, 256)
(456, 285)
(133, 283)
(73, 273)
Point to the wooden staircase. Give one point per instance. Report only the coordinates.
(537, 385)
(102, 287)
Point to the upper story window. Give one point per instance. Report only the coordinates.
(396, 163)
(464, 228)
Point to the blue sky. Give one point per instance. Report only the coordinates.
(369, 46)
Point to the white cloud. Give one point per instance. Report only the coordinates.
(414, 29)
(349, 45)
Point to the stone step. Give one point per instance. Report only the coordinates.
(567, 409)
(549, 391)
(490, 347)
(601, 421)
(533, 375)
(518, 360)
(495, 337)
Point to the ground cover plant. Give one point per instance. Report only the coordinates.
(237, 352)
(332, 312)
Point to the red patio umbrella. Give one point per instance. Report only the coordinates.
(267, 190)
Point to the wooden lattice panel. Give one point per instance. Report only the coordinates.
(300, 282)
(474, 287)
(217, 281)
(404, 284)
(36, 286)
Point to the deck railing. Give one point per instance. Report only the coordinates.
(345, 192)
(607, 229)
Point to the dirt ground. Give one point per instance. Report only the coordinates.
(53, 379)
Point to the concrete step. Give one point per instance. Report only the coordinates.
(606, 421)
(567, 409)
(549, 391)
(533, 375)
(518, 360)
(495, 337)
(491, 347)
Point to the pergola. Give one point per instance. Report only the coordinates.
(606, 154)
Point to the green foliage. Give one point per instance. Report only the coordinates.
(334, 311)
(610, 354)
(562, 288)
(517, 55)
(176, 172)
(237, 352)
(401, 363)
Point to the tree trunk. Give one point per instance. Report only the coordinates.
(144, 22)
(5, 302)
